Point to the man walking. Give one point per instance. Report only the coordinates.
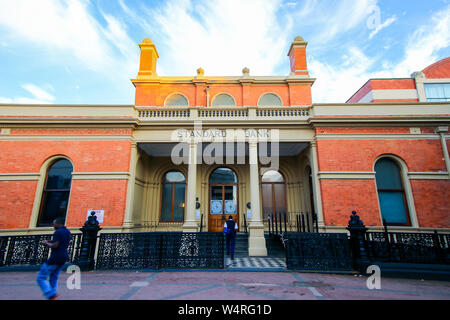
(231, 228)
(47, 278)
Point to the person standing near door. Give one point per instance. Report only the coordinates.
(231, 227)
(47, 278)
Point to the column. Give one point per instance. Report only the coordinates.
(316, 184)
(256, 239)
(190, 224)
(128, 220)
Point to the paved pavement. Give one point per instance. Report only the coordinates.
(210, 286)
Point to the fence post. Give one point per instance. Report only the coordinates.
(285, 222)
(3, 245)
(90, 229)
(276, 224)
(358, 231)
(388, 239)
(201, 223)
(245, 223)
(316, 220)
(440, 255)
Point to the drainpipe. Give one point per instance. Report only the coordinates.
(442, 131)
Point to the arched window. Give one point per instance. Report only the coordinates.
(223, 100)
(223, 176)
(173, 197)
(270, 100)
(176, 100)
(391, 193)
(273, 187)
(55, 197)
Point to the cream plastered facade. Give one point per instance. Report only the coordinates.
(154, 126)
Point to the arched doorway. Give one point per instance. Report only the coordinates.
(223, 198)
(273, 189)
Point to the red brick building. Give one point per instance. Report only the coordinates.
(383, 153)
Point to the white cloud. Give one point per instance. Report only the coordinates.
(386, 24)
(336, 83)
(330, 19)
(22, 100)
(425, 43)
(221, 36)
(68, 27)
(40, 96)
(38, 93)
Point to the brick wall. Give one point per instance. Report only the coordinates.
(431, 198)
(16, 197)
(16, 203)
(341, 196)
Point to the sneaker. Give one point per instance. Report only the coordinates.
(55, 297)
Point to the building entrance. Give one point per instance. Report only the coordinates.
(223, 198)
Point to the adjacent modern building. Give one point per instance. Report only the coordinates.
(195, 149)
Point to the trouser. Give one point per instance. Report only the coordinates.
(231, 241)
(47, 279)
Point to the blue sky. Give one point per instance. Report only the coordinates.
(85, 52)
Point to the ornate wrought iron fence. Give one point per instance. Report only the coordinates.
(158, 250)
(425, 248)
(318, 251)
(29, 251)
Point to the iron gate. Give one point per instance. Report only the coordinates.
(159, 250)
(318, 251)
(28, 250)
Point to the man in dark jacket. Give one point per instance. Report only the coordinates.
(231, 236)
(47, 278)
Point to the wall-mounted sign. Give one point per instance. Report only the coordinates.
(100, 214)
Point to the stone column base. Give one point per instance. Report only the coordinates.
(257, 241)
(190, 226)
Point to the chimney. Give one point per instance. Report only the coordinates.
(297, 57)
(149, 56)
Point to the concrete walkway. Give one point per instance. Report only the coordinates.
(210, 286)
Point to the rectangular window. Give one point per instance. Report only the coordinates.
(166, 203)
(437, 92)
(178, 205)
(393, 207)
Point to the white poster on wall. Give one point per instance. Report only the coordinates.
(100, 214)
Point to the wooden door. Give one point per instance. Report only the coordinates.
(223, 202)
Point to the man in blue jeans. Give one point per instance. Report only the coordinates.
(47, 278)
